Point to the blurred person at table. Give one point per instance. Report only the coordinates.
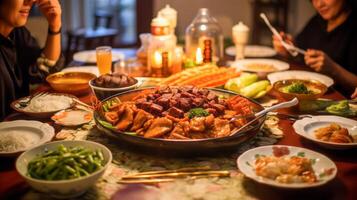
(21, 58)
(330, 38)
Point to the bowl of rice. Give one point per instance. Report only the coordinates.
(43, 105)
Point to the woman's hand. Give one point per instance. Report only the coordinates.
(354, 95)
(319, 61)
(279, 47)
(51, 9)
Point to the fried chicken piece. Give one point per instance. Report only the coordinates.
(159, 127)
(140, 118)
(111, 117)
(197, 124)
(126, 119)
(221, 128)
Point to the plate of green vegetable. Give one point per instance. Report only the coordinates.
(64, 169)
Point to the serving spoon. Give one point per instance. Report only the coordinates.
(262, 113)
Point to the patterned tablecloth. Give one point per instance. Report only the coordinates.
(126, 162)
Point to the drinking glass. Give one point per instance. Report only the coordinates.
(104, 59)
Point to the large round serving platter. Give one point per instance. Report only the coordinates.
(179, 147)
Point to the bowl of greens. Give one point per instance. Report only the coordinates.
(301, 89)
(64, 169)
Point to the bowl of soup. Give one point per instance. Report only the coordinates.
(71, 82)
(301, 89)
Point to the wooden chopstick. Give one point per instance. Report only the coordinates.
(179, 174)
(146, 181)
(188, 169)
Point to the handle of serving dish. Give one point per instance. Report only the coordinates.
(286, 104)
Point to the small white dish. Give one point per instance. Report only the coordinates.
(63, 189)
(245, 163)
(34, 132)
(253, 51)
(89, 69)
(302, 75)
(72, 117)
(90, 56)
(246, 65)
(306, 128)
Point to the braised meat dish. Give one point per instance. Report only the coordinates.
(172, 112)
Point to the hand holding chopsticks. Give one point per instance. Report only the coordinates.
(293, 50)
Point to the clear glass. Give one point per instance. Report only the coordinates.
(204, 35)
(104, 59)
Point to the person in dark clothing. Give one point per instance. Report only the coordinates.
(330, 38)
(21, 58)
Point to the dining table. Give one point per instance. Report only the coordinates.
(344, 186)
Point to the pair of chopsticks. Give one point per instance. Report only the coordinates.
(293, 50)
(172, 175)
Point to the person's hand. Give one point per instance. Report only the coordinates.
(51, 9)
(279, 47)
(354, 95)
(319, 61)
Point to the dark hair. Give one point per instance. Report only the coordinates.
(352, 4)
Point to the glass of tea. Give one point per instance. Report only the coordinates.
(104, 59)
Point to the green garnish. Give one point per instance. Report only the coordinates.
(297, 88)
(130, 133)
(341, 108)
(197, 112)
(106, 124)
(301, 154)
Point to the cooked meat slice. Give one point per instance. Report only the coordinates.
(220, 108)
(187, 95)
(111, 117)
(175, 112)
(144, 105)
(212, 111)
(212, 96)
(140, 118)
(197, 102)
(197, 124)
(164, 102)
(221, 128)
(126, 119)
(209, 121)
(184, 104)
(167, 96)
(156, 109)
(159, 127)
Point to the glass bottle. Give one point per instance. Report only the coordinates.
(161, 48)
(204, 35)
(142, 52)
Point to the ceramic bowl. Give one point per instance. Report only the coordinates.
(62, 188)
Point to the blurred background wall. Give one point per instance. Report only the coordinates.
(80, 14)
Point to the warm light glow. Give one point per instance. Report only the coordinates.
(199, 56)
(157, 60)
